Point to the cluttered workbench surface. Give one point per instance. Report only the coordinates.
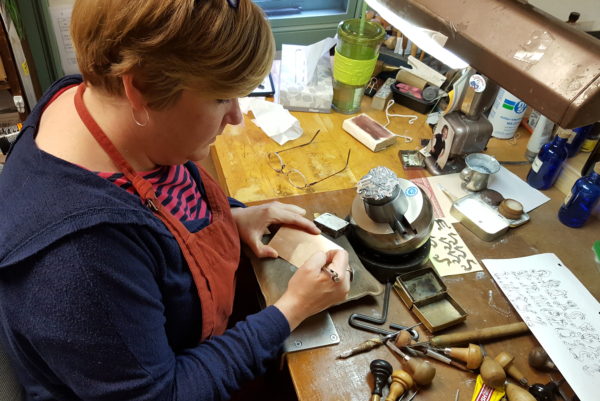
(240, 158)
(318, 375)
(241, 162)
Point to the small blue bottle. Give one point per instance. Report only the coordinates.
(576, 140)
(582, 200)
(548, 163)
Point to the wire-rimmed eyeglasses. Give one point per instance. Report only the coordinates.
(232, 3)
(295, 176)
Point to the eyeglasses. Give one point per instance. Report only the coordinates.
(232, 3)
(295, 176)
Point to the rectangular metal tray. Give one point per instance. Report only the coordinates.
(479, 217)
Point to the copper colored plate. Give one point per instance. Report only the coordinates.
(273, 275)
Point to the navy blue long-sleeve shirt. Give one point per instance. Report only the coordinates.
(96, 299)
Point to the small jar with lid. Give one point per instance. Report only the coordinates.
(548, 163)
(582, 200)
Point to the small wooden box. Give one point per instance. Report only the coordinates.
(369, 132)
(425, 295)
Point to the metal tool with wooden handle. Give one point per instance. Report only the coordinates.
(506, 360)
(479, 335)
(516, 393)
(492, 373)
(381, 370)
(401, 382)
(472, 355)
(422, 371)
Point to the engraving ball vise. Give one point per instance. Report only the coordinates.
(391, 221)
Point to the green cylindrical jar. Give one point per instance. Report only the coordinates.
(355, 57)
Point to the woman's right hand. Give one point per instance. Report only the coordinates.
(311, 290)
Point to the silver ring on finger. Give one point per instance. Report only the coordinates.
(351, 273)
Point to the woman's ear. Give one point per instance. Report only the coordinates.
(132, 93)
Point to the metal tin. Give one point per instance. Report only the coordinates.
(424, 293)
(482, 219)
(479, 217)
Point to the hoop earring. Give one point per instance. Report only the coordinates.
(139, 123)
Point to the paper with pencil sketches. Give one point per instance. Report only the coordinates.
(561, 313)
(449, 254)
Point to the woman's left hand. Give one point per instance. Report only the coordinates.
(252, 223)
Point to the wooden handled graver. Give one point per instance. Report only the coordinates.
(479, 335)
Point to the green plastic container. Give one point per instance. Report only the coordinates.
(355, 57)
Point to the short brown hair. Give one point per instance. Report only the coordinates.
(170, 45)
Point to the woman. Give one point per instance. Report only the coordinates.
(439, 144)
(118, 255)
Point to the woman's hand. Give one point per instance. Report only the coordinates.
(311, 290)
(252, 223)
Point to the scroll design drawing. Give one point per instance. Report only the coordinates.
(449, 254)
(541, 301)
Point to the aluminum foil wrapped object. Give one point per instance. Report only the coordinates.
(390, 215)
(378, 184)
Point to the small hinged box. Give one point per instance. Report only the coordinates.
(424, 293)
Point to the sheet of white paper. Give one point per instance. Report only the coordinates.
(560, 312)
(449, 254)
(273, 119)
(61, 20)
(505, 182)
(512, 187)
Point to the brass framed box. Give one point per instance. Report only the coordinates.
(425, 294)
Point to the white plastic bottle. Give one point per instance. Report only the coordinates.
(541, 134)
(506, 114)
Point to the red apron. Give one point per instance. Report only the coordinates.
(212, 254)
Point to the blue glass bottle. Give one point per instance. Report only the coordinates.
(576, 140)
(548, 163)
(583, 198)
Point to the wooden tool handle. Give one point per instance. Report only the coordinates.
(401, 381)
(422, 371)
(516, 393)
(488, 333)
(362, 347)
(492, 373)
(471, 355)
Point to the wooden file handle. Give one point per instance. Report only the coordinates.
(479, 335)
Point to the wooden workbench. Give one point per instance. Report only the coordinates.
(317, 375)
(240, 154)
(240, 160)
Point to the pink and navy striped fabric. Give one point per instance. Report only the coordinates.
(175, 189)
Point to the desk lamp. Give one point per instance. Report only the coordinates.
(542, 60)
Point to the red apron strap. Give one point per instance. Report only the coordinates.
(220, 239)
(100, 136)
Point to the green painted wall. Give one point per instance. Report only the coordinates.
(294, 30)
